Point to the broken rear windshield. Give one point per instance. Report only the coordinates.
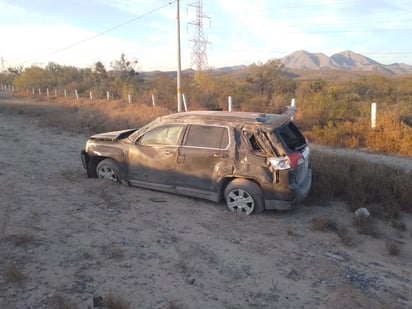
(291, 136)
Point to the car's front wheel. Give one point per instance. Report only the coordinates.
(107, 169)
(244, 196)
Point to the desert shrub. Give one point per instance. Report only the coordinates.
(112, 301)
(61, 302)
(392, 248)
(23, 238)
(14, 274)
(360, 183)
(365, 225)
(323, 224)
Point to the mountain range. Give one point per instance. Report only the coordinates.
(346, 60)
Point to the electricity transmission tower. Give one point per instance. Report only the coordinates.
(199, 55)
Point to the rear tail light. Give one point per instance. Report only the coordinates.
(290, 161)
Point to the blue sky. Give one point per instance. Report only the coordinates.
(239, 31)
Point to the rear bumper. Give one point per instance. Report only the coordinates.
(296, 194)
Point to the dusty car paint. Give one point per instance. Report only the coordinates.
(204, 172)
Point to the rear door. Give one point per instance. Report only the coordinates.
(203, 159)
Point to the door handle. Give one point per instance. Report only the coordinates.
(219, 155)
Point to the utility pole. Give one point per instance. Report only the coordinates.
(199, 56)
(2, 65)
(179, 62)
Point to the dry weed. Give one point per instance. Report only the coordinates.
(344, 236)
(365, 225)
(323, 224)
(14, 274)
(361, 183)
(23, 238)
(392, 248)
(61, 302)
(112, 301)
(398, 224)
(113, 251)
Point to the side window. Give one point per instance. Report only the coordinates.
(204, 136)
(166, 135)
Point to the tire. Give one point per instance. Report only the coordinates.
(244, 196)
(107, 169)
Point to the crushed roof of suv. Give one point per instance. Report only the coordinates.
(239, 117)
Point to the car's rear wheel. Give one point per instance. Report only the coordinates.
(107, 169)
(244, 196)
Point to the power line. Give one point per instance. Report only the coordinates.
(101, 33)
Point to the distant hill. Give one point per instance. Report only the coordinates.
(346, 60)
(302, 65)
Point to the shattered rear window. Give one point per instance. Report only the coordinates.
(292, 137)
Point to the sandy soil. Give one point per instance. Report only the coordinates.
(66, 240)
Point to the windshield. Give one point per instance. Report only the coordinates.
(143, 129)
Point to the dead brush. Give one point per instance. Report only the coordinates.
(113, 251)
(323, 224)
(23, 238)
(112, 301)
(344, 235)
(61, 302)
(392, 248)
(365, 225)
(398, 224)
(14, 274)
(360, 183)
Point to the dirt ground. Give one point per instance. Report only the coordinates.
(67, 241)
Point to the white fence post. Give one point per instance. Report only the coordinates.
(373, 115)
(47, 92)
(65, 93)
(108, 95)
(91, 95)
(229, 103)
(129, 98)
(184, 101)
(55, 92)
(153, 100)
(76, 94)
(293, 104)
(39, 91)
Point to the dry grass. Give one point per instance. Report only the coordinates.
(23, 238)
(324, 224)
(391, 135)
(14, 274)
(85, 116)
(365, 225)
(398, 224)
(113, 251)
(392, 248)
(385, 190)
(61, 302)
(112, 301)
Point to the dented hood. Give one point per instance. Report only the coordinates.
(113, 136)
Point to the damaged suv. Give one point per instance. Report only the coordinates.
(253, 161)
